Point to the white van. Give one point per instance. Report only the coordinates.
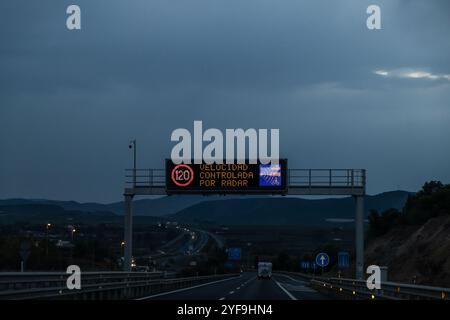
(264, 270)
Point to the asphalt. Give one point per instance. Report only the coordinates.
(247, 287)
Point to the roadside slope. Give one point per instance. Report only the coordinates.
(415, 251)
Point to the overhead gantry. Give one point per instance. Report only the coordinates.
(312, 182)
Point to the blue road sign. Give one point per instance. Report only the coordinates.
(304, 264)
(234, 254)
(322, 259)
(343, 260)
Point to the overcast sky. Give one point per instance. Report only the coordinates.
(342, 96)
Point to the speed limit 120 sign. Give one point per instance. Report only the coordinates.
(224, 178)
(182, 175)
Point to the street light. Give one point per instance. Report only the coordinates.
(248, 255)
(47, 227)
(132, 145)
(122, 245)
(73, 232)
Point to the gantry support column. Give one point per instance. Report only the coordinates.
(359, 239)
(128, 236)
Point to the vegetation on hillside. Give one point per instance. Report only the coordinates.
(431, 201)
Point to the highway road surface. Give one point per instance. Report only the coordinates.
(246, 287)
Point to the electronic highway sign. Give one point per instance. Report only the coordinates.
(304, 265)
(226, 178)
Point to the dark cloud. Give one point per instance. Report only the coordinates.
(70, 101)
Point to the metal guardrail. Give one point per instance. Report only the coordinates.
(357, 289)
(389, 290)
(332, 178)
(94, 285)
(307, 178)
(146, 178)
(21, 283)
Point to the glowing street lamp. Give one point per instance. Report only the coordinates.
(122, 246)
(132, 145)
(47, 227)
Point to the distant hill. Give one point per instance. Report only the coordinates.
(66, 205)
(232, 209)
(146, 207)
(42, 213)
(159, 207)
(284, 210)
(156, 207)
(38, 213)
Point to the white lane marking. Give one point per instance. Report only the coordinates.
(300, 288)
(184, 289)
(223, 298)
(303, 287)
(286, 276)
(285, 291)
(231, 292)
